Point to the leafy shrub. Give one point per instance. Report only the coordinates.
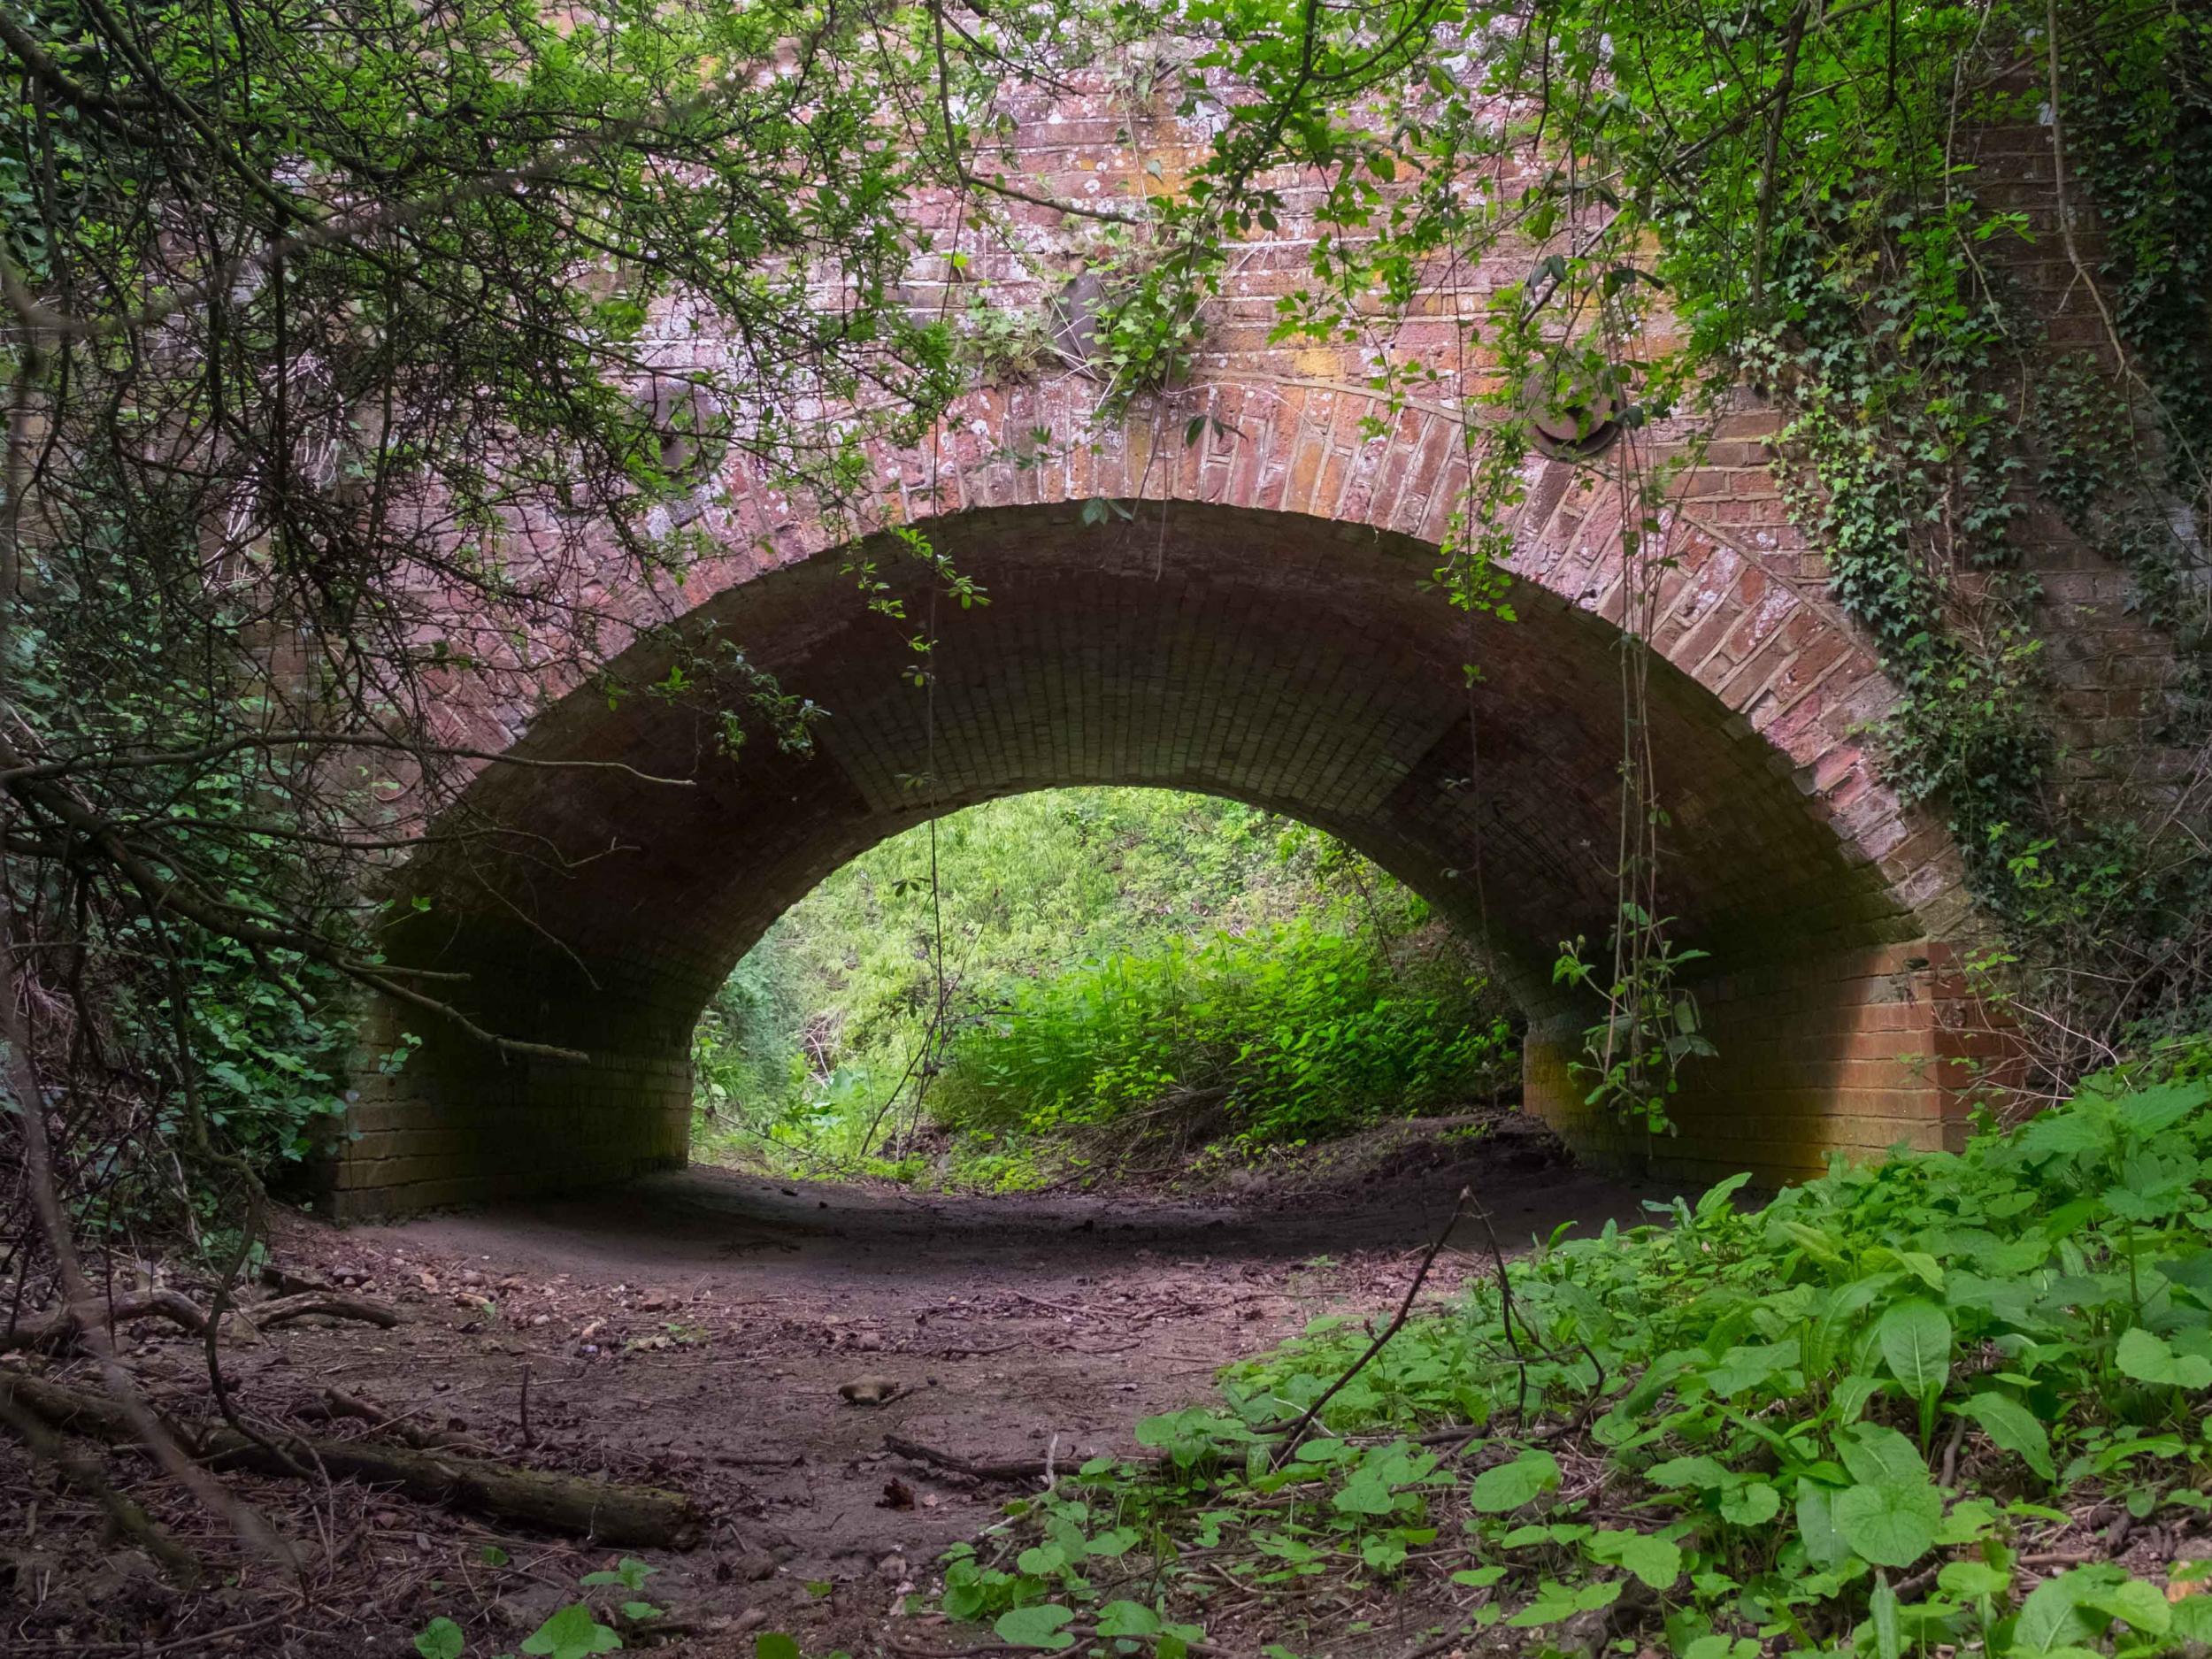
(1299, 1033)
(822, 1054)
(1873, 1418)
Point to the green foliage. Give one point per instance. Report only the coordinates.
(1837, 1424)
(1300, 1034)
(571, 1633)
(1057, 910)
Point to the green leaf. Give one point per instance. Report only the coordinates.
(1367, 1492)
(1972, 1580)
(2151, 1111)
(1890, 1522)
(1881, 1610)
(2150, 1359)
(1824, 1545)
(1700, 1472)
(1873, 1453)
(1127, 1618)
(1754, 1503)
(440, 1639)
(571, 1633)
(2012, 1427)
(774, 1644)
(2050, 1618)
(1656, 1561)
(1915, 1339)
(2144, 1606)
(1035, 1626)
(630, 1573)
(1509, 1485)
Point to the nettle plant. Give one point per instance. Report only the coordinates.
(1860, 1420)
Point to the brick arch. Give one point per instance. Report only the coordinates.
(1248, 620)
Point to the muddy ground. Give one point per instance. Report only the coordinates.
(695, 1330)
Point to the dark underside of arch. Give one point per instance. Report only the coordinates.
(1285, 661)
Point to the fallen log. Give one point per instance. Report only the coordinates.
(647, 1516)
(180, 1310)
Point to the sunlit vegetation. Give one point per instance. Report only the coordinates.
(1127, 972)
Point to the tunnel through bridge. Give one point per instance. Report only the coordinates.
(1289, 659)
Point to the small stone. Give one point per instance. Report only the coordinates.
(871, 1391)
(751, 1618)
(541, 1318)
(654, 1301)
(891, 1569)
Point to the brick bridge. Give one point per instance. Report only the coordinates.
(1257, 629)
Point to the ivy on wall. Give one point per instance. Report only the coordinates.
(1784, 195)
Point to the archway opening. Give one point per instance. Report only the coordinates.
(1084, 987)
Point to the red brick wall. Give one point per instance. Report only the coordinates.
(1257, 629)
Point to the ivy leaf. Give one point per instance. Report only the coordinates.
(2012, 1427)
(1035, 1626)
(774, 1644)
(440, 1639)
(1916, 1339)
(1890, 1523)
(1509, 1485)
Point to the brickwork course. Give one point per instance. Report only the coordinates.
(1251, 619)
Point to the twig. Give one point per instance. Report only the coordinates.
(181, 1565)
(1028, 1469)
(1294, 1431)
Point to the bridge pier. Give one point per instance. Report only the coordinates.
(457, 1124)
(1855, 1052)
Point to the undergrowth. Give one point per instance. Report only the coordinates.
(1126, 974)
(1880, 1416)
(1284, 1035)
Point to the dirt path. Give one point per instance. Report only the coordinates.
(697, 1328)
